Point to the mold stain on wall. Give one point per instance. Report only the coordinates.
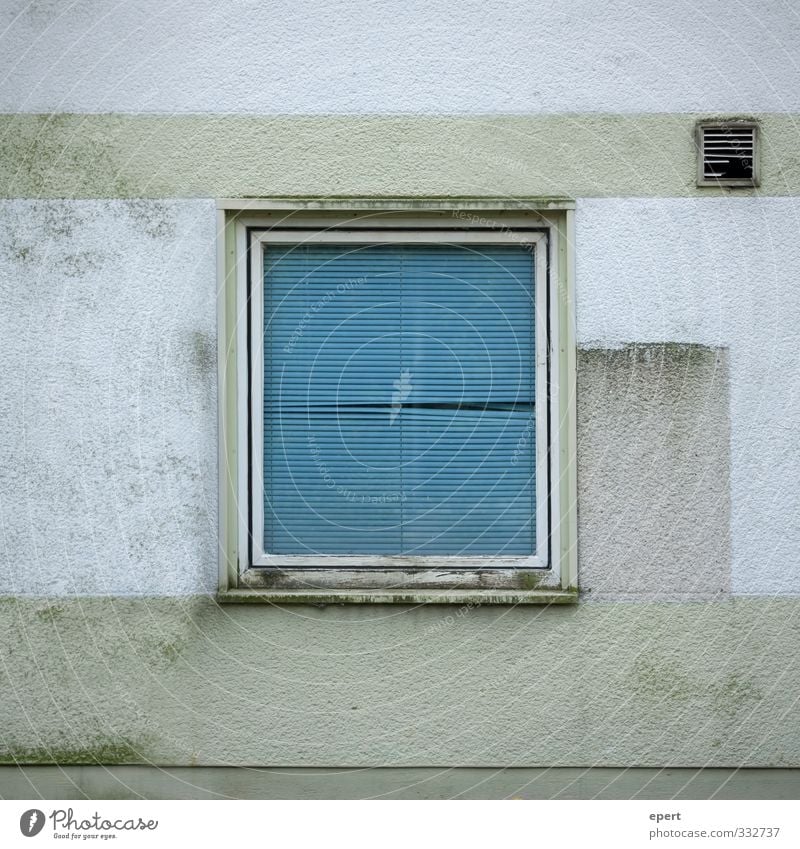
(654, 472)
(665, 679)
(99, 751)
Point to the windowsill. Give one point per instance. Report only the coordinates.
(321, 597)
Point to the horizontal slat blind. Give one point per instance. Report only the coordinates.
(398, 399)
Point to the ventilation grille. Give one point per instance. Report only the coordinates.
(727, 154)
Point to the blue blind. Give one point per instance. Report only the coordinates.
(399, 400)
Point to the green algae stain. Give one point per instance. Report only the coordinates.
(171, 649)
(110, 751)
(204, 353)
(734, 693)
(661, 679)
(56, 156)
(51, 613)
(664, 680)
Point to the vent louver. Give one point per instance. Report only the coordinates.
(727, 154)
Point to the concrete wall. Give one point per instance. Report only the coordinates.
(683, 648)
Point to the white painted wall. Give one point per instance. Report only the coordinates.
(108, 469)
(720, 272)
(380, 56)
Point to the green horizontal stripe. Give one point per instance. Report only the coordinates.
(584, 155)
(184, 681)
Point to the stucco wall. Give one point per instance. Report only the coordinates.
(682, 649)
(654, 463)
(184, 681)
(373, 56)
(109, 425)
(720, 272)
(109, 440)
(108, 407)
(573, 155)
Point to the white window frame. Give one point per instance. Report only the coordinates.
(538, 242)
(247, 572)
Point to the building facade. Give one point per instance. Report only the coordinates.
(134, 138)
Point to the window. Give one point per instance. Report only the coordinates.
(398, 407)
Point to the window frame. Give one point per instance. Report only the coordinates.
(290, 236)
(246, 573)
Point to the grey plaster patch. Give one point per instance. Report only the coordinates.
(654, 472)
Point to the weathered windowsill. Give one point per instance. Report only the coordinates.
(320, 597)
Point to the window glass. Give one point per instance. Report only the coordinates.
(399, 399)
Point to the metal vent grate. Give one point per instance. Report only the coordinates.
(727, 154)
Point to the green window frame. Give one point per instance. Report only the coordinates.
(245, 575)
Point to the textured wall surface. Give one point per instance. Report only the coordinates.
(721, 272)
(574, 155)
(361, 56)
(187, 682)
(108, 455)
(654, 472)
(683, 647)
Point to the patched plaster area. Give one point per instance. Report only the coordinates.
(653, 472)
(108, 399)
(378, 56)
(723, 273)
